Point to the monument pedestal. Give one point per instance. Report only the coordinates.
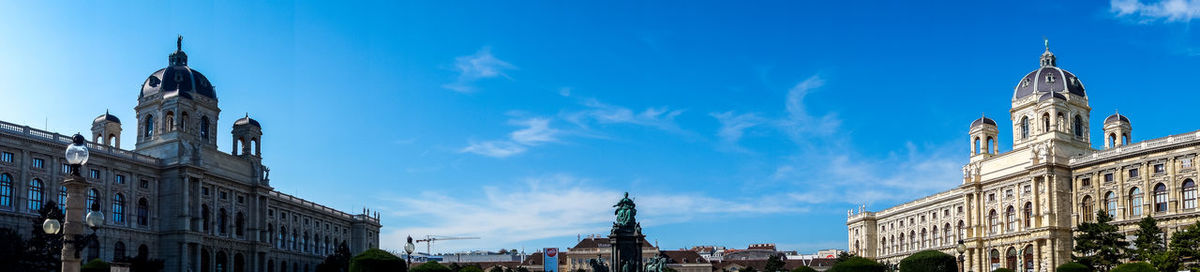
(626, 244)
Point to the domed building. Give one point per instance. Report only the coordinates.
(1015, 207)
(175, 196)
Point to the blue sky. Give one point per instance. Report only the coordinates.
(522, 122)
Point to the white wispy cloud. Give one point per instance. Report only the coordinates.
(535, 131)
(1151, 11)
(602, 113)
(480, 65)
(733, 126)
(550, 206)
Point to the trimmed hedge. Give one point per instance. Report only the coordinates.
(804, 269)
(95, 265)
(929, 261)
(431, 266)
(1072, 267)
(1003, 270)
(376, 260)
(1135, 267)
(858, 264)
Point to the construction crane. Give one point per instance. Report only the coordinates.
(429, 239)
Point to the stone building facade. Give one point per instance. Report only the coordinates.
(175, 196)
(1017, 209)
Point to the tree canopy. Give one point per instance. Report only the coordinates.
(1098, 245)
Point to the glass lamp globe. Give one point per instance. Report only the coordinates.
(77, 152)
(51, 226)
(94, 219)
(961, 248)
(409, 247)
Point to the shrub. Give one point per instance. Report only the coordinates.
(431, 266)
(929, 260)
(1003, 270)
(858, 264)
(804, 269)
(376, 260)
(1134, 267)
(471, 268)
(1072, 267)
(95, 265)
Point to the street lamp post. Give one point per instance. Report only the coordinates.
(408, 248)
(961, 248)
(72, 230)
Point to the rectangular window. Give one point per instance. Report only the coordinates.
(1085, 182)
(224, 195)
(119, 179)
(1133, 173)
(94, 174)
(204, 191)
(6, 157)
(1108, 177)
(241, 199)
(1008, 193)
(922, 219)
(1159, 168)
(1187, 163)
(960, 210)
(39, 163)
(1027, 189)
(145, 184)
(991, 197)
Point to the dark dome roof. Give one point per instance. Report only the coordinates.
(1116, 117)
(983, 120)
(179, 78)
(1048, 96)
(1048, 79)
(246, 121)
(107, 117)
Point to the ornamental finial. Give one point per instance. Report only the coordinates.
(179, 43)
(1046, 42)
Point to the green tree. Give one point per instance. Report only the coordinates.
(12, 251)
(1149, 240)
(1134, 267)
(1072, 267)
(430, 266)
(804, 269)
(748, 269)
(376, 260)
(496, 269)
(1098, 245)
(1003, 270)
(471, 268)
(95, 265)
(774, 264)
(857, 264)
(1165, 261)
(339, 261)
(929, 260)
(1185, 245)
(843, 256)
(521, 269)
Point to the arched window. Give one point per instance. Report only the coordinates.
(1135, 202)
(962, 230)
(239, 223)
(978, 146)
(1024, 127)
(1028, 258)
(934, 240)
(143, 251)
(1045, 122)
(118, 208)
(1085, 207)
(1078, 127)
(946, 235)
(170, 119)
(991, 146)
(222, 221)
(204, 127)
(1160, 198)
(994, 222)
(883, 246)
(35, 195)
(1110, 204)
(912, 237)
(304, 242)
(93, 199)
(183, 121)
(282, 237)
(1189, 194)
(924, 239)
(1112, 138)
(6, 190)
(1011, 215)
(93, 249)
(292, 241)
(270, 234)
(1061, 122)
(62, 198)
(118, 251)
(149, 126)
(1011, 258)
(143, 212)
(995, 257)
(204, 218)
(901, 243)
(1028, 214)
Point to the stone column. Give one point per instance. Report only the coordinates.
(73, 227)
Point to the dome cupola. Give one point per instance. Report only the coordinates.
(178, 78)
(1048, 81)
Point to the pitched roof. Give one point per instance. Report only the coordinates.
(683, 256)
(760, 264)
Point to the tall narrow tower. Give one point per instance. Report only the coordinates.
(177, 109)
